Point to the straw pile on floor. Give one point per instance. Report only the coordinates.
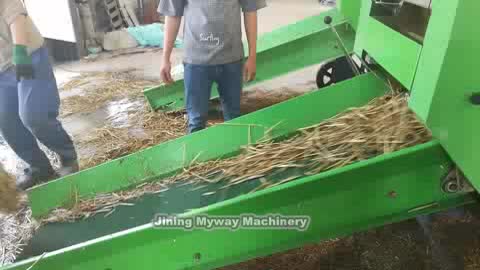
(144, 129)
(384, 125)
(16, 223)
(16, 230)
(100, 88)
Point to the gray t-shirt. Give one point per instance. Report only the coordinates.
(213, 30)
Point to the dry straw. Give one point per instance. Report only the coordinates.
(110, 142)
(16, 230)
(100, 88)
(384, 125)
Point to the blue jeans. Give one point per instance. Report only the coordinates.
(198, 85)
(29, 111)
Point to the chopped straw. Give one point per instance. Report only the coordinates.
(100, 88)
(384, 125)
(16, 231)
(109, 142)
(145, 129)
(16, 223)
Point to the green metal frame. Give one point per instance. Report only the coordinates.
(447, 76)
(212, 143)
(351, 10)
(287, 49)
(361, 196)
(396, 53)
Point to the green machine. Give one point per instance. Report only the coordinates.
(428, 46)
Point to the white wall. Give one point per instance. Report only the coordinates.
(53, 18)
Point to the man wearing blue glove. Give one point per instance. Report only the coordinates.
(213, 52)
(29, 100)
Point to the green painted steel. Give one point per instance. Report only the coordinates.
(351, 10)
(287, 49)
(361, 196)
(395, 52)
(446, 78)
(212, 143)
(386, 189)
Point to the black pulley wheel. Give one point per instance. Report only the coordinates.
(325, 75)
(333, 72)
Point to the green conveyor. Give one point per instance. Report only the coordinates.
(126, 238)
(339, 202)
(177, 199)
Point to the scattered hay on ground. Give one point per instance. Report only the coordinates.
(16, 231)
(384, 125)
(146, 129)
(100, 88)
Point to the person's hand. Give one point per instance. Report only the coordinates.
(166, 72)
(250, 70)
(23, 63)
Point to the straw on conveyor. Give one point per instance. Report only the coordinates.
(384, 125)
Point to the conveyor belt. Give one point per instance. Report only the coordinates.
(178, 199)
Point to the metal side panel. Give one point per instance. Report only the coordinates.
(396, 53)
(351, 10)
(287, 49)
(212, 143)
(446, 80)
(383, 190)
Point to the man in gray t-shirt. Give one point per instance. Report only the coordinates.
(213, 51)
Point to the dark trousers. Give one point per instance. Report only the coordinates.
(198, 86)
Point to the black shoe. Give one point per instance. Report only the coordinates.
(34, 176)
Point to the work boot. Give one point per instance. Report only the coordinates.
(68, 167)
(33, 176)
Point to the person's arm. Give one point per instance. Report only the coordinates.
(172, 26)
(251, 28)
(21, 59)
(19, 30)
(15, 15)
(173, 12)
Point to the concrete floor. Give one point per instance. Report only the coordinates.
(278, 13)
